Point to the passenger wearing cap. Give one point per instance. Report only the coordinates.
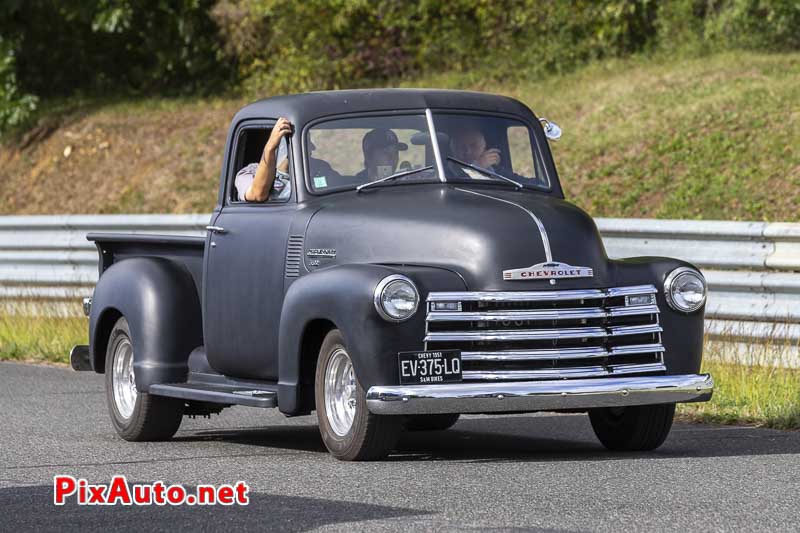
(381, 149)
(268, 179)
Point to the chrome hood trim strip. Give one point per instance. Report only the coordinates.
(542, 231)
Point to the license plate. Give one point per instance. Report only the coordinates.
(429, 367)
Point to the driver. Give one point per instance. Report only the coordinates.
(268, 179)
(381, 149)
(469, 145)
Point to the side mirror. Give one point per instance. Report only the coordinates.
(551, 130)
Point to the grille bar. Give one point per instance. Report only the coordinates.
(502, 316)
(526, 296)
(540, 334)
(592, 352)
(540, 314)
(550, 373)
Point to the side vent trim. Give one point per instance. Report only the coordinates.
(294, 256)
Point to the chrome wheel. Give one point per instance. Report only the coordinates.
(340, 392)
(123, 380)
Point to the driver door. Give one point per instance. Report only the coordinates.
(244, 272)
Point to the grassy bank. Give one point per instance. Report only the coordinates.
(760, 395)
(752, 386)
(40, 339)
(710, 138)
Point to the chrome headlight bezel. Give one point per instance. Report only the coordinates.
(670, 284)
(387, 283)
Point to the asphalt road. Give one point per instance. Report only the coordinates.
(537, 472)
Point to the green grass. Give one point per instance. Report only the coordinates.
(758, 394)
(751, 387)
(40, 339)
(761, 396)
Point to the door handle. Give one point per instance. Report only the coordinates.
(215, 229)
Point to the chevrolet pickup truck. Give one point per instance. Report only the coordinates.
(444, 275)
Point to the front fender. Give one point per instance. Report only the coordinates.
(343, 295)
(159, 299)
(683, 332)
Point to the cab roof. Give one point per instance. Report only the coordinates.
(305, 107)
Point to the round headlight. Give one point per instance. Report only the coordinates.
(396, 298)
(685, 289)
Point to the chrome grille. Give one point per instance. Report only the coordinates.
(530, 335)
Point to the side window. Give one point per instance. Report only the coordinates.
(523, 158)
(519, 144)
(249, 149)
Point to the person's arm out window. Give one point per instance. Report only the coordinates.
(255, 186)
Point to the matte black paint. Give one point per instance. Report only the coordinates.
(440, 235)
(343, 295)
(159, 299)
(244, 289)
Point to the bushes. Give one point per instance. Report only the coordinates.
(15, 107)
(166, 46)
(716, 25)
(119, 46)
(296, 46)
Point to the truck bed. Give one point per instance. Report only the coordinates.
(184, 250)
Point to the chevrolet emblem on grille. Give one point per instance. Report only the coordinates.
(552, 270)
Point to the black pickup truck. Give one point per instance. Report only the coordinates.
(423, 264)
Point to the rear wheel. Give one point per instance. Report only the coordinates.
(348, 429)
(431, 422)
(137, 416)
(636, 428)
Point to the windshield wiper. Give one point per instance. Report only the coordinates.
(486, 172)
(393, 176)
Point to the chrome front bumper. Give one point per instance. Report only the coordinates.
(517, 396)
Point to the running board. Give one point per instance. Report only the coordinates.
(217, 393)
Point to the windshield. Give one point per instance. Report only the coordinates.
(351, 152)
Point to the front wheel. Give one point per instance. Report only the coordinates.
(348, 429)
(137, 416)
(637, 428)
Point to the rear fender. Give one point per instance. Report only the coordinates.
(159, 299)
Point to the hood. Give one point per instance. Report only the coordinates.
(477, 231)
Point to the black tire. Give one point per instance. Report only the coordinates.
(431, 422)
(153, 418)
(370, 436)
(637, 428)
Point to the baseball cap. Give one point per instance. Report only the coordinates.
(381, 138)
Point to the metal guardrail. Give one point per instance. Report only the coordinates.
(48, 257)
(753, 268)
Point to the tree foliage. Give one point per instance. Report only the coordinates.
(65, 46)
(56, 48)
(295, 46)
